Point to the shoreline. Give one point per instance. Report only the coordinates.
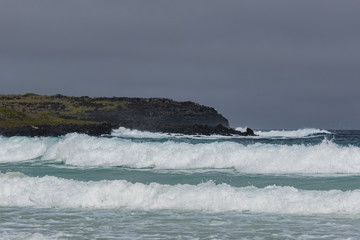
(106, 128)
(41, 115)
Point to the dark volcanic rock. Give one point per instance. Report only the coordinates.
(36, 115)
(249, 132)
(105, 128)
(155, 111)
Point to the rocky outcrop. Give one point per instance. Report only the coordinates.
(152, 113)
(106, 128)
(36, 115)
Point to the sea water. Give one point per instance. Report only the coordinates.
(301, 184)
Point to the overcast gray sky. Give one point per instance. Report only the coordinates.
(262, 64)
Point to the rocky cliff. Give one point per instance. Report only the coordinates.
(37, 115)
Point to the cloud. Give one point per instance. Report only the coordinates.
(261, 63)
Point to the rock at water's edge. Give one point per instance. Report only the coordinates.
(36, 115)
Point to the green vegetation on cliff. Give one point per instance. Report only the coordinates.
(153, 114)
(32, 109)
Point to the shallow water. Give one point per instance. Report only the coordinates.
(25, 223)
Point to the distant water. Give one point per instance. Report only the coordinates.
(302, 184)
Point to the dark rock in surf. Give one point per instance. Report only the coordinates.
(249, 132)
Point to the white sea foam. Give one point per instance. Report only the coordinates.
(27, 236)
(85, 151)
(133, 133)
(23, 148)
(55, 192)
(299, 133)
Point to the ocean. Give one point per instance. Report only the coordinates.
(295, 184)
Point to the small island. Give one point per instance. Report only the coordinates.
(40, 115)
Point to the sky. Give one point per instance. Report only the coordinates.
(262, 64)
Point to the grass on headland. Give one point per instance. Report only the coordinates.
(33, 109)
(10, 118)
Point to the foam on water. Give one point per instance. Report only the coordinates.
(299, 133)
(27, 236)
(85, 151)
(16, 149)
(125, 132)
(133, 133)
(55, 192)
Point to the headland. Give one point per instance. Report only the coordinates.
(40, 115)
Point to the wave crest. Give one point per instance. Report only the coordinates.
(85, 151)
(62, 193)
(299, 133)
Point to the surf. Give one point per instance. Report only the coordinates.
(299, 133)
(53, 192)
(80, 150)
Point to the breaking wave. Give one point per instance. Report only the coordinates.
(81, 150)
(133, 133)
(16, 149)
(299, 133)
(53, 192)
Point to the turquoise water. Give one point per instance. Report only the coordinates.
(301, 184)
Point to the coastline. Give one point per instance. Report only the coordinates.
(38, 115)
(106, 128)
